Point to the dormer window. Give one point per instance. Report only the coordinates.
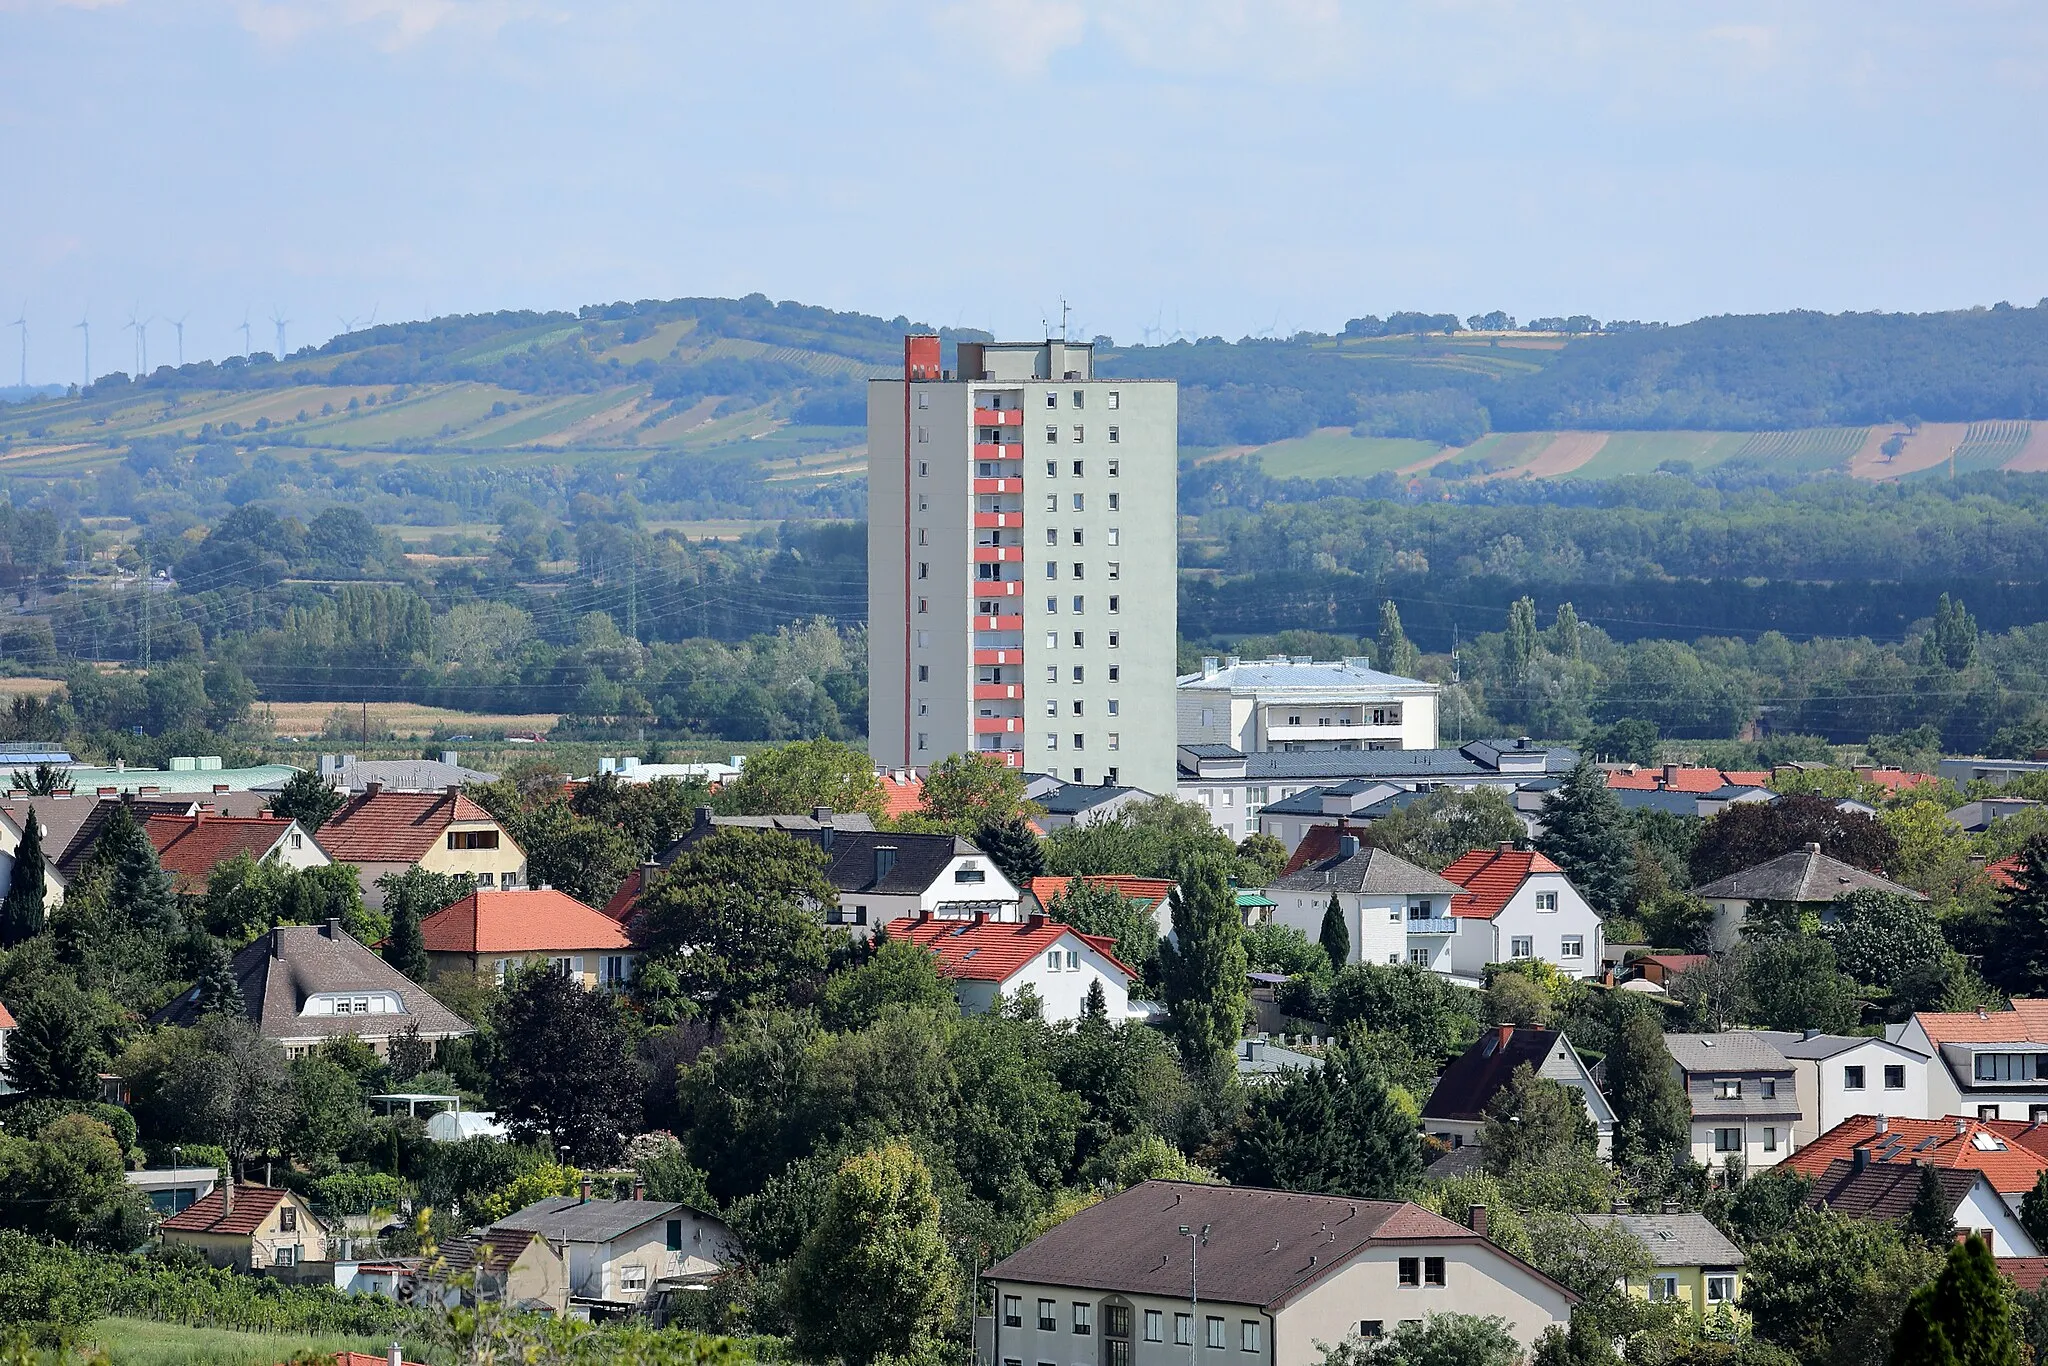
(354, 1003)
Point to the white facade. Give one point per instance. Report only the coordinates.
(1863, 1077)
(1384, 926)
(2006, 1079)
(1545, 918)
(969, 885)
(1297, 705)
(1060, 976)
(1022, 533)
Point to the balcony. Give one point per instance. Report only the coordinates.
(999, 554)
(991, 451)
(999, 486)
(998, 725)
(1280, 733)
(997, 588)
(992, 657)
(984, 521)
(998, 417)
(1434, 925)
(999, 692)
(999, 623)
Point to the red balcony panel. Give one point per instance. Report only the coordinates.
(998, 725)
(998, 417)
(998, 588)
(987, 520)
(999, 623)
(999, 692)
(1012, 758)
(999, 486)
(998, 554)
(991, 451)
(999, 656)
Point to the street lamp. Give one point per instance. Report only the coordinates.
(1196, 1242)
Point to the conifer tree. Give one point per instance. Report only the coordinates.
(1096, 1006)
(1335, 937)
(1012, 847)
(1203, 969)
(404, 948)
(138, 889)
(2034, 1211)
(2018, 961)
(1586, 832)
(1965, 1318)
(1932, 1218)
(219, 992)
(1653, 1119)
(22, 915)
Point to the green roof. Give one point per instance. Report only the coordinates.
(1249, 898)
(87, 779)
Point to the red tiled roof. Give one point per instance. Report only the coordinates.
(1642, 780)
(1318, 842)
(620, 907)
(1747, 777)
(1698, 781)
(525, 921)
(253, 1205)
(901, 798)
(1150, 890)
(2026, 1273)
(2005, 871)
(994, 950)
(1490, 877)
(364, 1359)
(1895, 780)
(6, 1017)
(394, 827)
(190, 847)
(1978, 1146)
(2027, 1021)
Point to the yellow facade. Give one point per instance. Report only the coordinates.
(464, 847)
(1687, 1285)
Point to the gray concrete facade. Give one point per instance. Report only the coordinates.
(1022, 564)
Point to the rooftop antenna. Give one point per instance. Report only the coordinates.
(244, 329)
(85, 325)
(1454, 683)
(280, 322)
(22, 323)
(179, 324)
(1064, 311)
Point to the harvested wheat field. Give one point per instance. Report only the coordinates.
(410, 720)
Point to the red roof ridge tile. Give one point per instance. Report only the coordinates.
(1000, 949)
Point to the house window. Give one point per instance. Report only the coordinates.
(1047, 1321)
(1080, 570)
(1115, 637)
(1115, 604)
(1078, 740)
(1184, 1330)
(1079, 539)
(1052, 469)
(1432, 1271)
(1769, 1086)
(1248, 1335)
(924, 673)
(1116, 570)
(1052, 504)
(923, 468)
(1080, 638)
(924, 571)
(1113, 439)
(1079, 436)
(1115, 739)
(1895, 1077)
(1084, 1320)
(633, 1277)
(1546, 901)
(1013, 1311)
(924, 436)
(1727, 1140)
(1073, 960)
(1052, 569)
(1852, 1079)
(1116, 536)
(1411, 1271)
(484, 879)
(1215, 1326)
(472, 839)
(1720, 1289)
(1052, 434)
(1116, 502)
(924, 605)
(1770, 1140)
(968, 872)
(672, 1235)
(1052, 400)
(1418, 958)
(924, 400)
(1155, 1326)
(1522, 946)
(924, 739)
(285, 1256)
(1663, 1288)
(1113, 399)
(1728, 1088)
(288, 1220)
(1078, 604)
(1572, 946)
(1079, 672)
(1372, 1328)
(1112, 706)
(1052, 960)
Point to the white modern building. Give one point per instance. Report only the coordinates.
(1298, 705)
(1394, 912)
(1840, 1076)
(1991, 1064)
(1022, 563)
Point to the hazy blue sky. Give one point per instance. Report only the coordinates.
(1223, 165)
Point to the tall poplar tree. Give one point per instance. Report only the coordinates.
(1335, 937)
(22, 915)
(1203, 967)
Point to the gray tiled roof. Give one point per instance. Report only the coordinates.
(1819, 1045)
(566, 1217)
(1738, 1050)
(1368, 870)
(1070, 799)
(1674, 1239)
(1801, 875)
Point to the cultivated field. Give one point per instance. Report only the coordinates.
(407, 719)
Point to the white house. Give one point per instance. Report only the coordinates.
(619, 1251)
(1518, 904)
(1456, 1109)
(1297, 704)
(1394, 912)
(1990, 1064)
(985, 957)
(888, 875)
(1842, 1075)
(1744, 1095)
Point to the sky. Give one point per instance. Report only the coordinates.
(1167, 167)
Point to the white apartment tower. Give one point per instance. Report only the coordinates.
(1021, 564)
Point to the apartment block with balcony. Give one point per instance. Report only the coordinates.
(1297, 705)
(1021, 551)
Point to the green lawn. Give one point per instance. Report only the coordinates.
(1642, 452)
(418, 418)
(1334, 453)
(138, 1342)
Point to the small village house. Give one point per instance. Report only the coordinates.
(249, 1228)
(1456, 1110)
(1058, 964)
(381, 832)
(620, 1251)
(1692, 1263)
(496, 932)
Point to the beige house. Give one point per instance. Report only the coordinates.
(497, 932)
(444, 832)
(1279, 1273)
(519, 1270)
(249, 1227)
(620, 1251)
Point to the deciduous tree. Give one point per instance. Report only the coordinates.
(873, 1279)
(563, 1075)
(307, 798)
(739, 920)
(1203, 968)
(791, 779)
(1335, 1129)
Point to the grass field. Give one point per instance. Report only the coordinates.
(1334, 453)
(138, 1342)
(400, 718)
(1642, 452)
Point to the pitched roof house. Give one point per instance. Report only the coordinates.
(1888, 1190)
(387, 832)
(496, 932)
(619, 1251)
(1155, 892)
(1803, 876)
(1394, 912)
(1519, 904)
(190, 847)
(305, 984)
(1991, 1064)
(1952, 1142)
(247, 1227)
(1744, 1095)
(1281, 1272)
(514, 1267)
(1692, 1263)
(1057, 962)
(1456, 1110)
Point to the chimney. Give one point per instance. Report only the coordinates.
(1507, 846)
(450, 758)
(981, 917)
(221, 787)
(1812, 847)
(1670, 1206)
(1347, 846)
(923, 915)
(1037, 920)
(277, 941)
(396, 1357)
(1476, 1219)
(1859, 1160)
(1883, 1125)
(639, 1190)
(1617, 1207)
(1502, 1033)
(227, 1198)
(371, 789)
(1962, 1126)
(822, 815)
(453, 789)
(702, 820)
(586, 1192)
(333, 930)
(1670, 775)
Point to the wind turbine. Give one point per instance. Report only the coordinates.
(85, 325)
(280, 322)
(141, 330)
(179, 323)
(22, 323)
(244, 329)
